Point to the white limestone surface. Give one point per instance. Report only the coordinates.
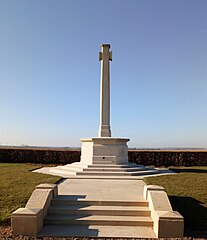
(121, 191)
(106, 149)
(105, 56)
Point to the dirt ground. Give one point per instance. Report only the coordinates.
(5, 231)
(6, 234)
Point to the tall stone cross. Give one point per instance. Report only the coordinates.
(105, 56)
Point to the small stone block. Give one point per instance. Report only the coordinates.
(172, 215)
(26, 221)
(51, 186)
(155, 188)
(26, 212)
(40, 198)
(152, 188)
(171, 225)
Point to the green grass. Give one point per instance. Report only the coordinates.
(187, 192)
(17, 182)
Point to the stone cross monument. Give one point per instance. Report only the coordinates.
(105, 56)
(104, 148)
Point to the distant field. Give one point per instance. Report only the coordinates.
(169, 150)
(41, 148)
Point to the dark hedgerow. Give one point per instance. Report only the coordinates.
(44, 156)
(168, 158)
(65, 156)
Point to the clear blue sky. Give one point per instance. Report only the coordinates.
(50, 73)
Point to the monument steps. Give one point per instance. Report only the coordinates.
(71, 210)
(99, 220)
(63, 172)
(73, 201)
(100, 177)
(100, 210)
(125, 173)
(98, 231)
(113, 169)
(74, 171)
(64, 168)
(74, 167)
(101, 170)
(103, 162)
(114, 165)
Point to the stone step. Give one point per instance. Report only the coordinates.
(107, 173)
(112, 177)
(76, 164)
(63, 171)
(78, 201)
(103, 162)
(97, 231)
(72, 168)
(99, 220)
(115, 169)
(64, 168)
(77, 167)
(113, 165)
(104, 171)
(100, 210)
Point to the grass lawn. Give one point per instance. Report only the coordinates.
(187, 192)
(17, 182)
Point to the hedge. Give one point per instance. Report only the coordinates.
(65, 156)
(36, 155)
(168, 158)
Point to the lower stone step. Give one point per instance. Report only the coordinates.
(75, 201)
(103, 162)
(105, 165)
(97, 231)
(107, 173)
(99, 177)
(62, 171)
(100, 210)
(115, 169)
(99, 220)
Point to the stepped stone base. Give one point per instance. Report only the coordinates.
(103, 158)
(103, 170)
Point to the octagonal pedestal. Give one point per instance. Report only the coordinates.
(104, 150)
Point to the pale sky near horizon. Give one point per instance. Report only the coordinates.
(50, 73)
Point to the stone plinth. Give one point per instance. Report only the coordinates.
(27, 221)
(104, 149)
